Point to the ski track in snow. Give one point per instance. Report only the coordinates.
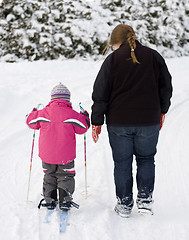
(22, 86)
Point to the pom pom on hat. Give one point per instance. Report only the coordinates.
(60, 92)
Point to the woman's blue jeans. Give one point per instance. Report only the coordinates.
(127, 141)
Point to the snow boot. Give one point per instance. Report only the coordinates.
(123, 210)
(51, 201)
(65, 205)
(65, 200)
(50, 206)
(63, 195)
(124, 206)
(144, 206)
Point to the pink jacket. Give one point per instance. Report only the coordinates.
(58, 123)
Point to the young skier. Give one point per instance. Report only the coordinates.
(58, 123)
(133, 90)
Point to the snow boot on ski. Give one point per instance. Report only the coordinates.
(65, 205)
(51, 201)
(50, 206)
(65, 200)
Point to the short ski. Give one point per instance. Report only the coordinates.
(63, 220)
(48, 215)
(63, 213)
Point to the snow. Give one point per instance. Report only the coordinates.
(18, 10)
(25, 84)
(10, 17)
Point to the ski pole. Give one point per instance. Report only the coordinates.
(30, 165)
(85, 156)
(31, 158)
(85, 165)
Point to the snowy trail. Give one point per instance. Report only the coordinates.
(23, 86)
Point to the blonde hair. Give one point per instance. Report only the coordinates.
(122, 33)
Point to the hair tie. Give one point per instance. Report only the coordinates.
(132, 50)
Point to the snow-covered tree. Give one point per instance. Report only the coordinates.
(51, 29)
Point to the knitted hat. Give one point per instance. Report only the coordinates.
(60, 91)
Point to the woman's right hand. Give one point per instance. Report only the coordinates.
(162, 121)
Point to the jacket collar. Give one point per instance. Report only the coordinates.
(126, 44)
(59, 102)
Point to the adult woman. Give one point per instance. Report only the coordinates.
(133, 90)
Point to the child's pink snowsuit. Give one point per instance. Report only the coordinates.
(58, 123)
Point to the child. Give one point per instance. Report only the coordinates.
(58, 123)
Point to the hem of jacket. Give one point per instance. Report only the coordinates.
(65, 162)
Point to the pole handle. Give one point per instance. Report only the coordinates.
(81, 108)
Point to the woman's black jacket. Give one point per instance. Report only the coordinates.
(129, 93)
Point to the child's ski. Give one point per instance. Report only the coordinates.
(63, 213)
(63, 220)
(48, 215)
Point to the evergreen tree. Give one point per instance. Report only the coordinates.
(50, 29)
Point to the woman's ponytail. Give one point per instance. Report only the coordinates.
(122, 33)
(132, 44)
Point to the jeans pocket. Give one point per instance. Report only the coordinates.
(115, 130)
(150, 131)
